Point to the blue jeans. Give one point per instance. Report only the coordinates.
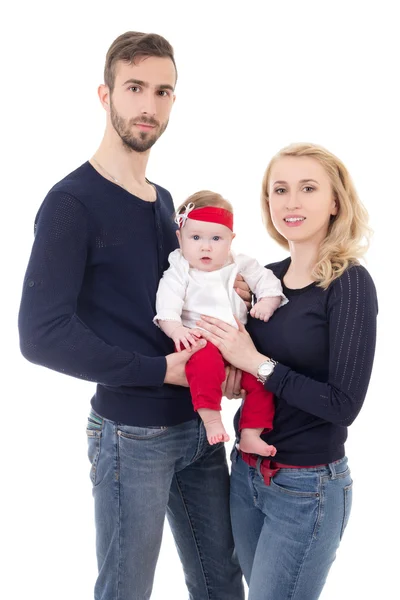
(287, 534)
(139, 474)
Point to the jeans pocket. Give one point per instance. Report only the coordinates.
(348, 498)
(302, 485)
(135, 432)
(94, 432)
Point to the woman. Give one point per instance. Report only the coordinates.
(315, 354)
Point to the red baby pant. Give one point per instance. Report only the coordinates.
(205, 372)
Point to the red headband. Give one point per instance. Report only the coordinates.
(209, 214)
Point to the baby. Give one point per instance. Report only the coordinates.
(200, 281)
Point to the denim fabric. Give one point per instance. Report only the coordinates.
(287, 533)
(140, 474)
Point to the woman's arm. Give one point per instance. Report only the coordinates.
(352, 310)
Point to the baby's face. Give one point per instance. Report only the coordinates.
(206, 246)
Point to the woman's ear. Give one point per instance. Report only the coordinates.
(335, 207)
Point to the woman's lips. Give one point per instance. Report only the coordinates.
(294, 221)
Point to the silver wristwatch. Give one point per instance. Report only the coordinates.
(265, 370)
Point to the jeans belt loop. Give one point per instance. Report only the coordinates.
(332, 469)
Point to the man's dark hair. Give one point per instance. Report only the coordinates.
(133, 44)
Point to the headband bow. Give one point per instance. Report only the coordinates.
(181, 218)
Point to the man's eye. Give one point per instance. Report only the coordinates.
(134, 88)
(163, 93)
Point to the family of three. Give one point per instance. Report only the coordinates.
(153, 305)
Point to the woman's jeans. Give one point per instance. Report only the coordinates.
(140, 474)
(286, 534)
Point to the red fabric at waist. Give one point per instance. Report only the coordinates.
(269, 468)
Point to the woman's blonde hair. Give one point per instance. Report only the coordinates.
(205, 198)
(348, 234)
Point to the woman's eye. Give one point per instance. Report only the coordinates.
(280, 190)
(309, 188)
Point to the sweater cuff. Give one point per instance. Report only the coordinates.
(151, 371)
(274, 383)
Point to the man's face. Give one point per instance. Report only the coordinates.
(141, 100)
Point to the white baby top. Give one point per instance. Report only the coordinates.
(185, 293)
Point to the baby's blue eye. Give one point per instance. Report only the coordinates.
(196, 237)
(216, 238)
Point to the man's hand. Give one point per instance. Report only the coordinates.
(231, 388)
(243, 290)
(176, 365)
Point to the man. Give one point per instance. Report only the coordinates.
(102, 238)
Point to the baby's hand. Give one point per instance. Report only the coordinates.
(185, 336)
(265, 308)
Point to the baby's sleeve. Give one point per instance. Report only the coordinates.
(262, 282)
(171, 291)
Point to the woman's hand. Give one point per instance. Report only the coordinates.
(235, 345)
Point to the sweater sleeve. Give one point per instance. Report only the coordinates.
(51, 334)
(351, 312)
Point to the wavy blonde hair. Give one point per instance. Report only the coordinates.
(348, 234)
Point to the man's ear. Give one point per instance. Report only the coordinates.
(104, 96)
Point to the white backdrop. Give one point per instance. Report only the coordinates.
(253, 77)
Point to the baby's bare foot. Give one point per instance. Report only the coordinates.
(213, 424)
(251, 443)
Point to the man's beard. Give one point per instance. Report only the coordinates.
(124, 129)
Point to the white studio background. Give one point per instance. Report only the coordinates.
(253, 76)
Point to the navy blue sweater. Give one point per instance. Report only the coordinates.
(324, 342)
(89, 296)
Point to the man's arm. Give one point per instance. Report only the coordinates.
(51, 334)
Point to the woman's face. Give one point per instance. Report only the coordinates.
(301, 199)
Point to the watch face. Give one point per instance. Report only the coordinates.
(266, 369)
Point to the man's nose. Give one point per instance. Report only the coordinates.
(148, 104)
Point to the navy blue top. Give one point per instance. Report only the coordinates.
(324, 342)
(89, 296)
